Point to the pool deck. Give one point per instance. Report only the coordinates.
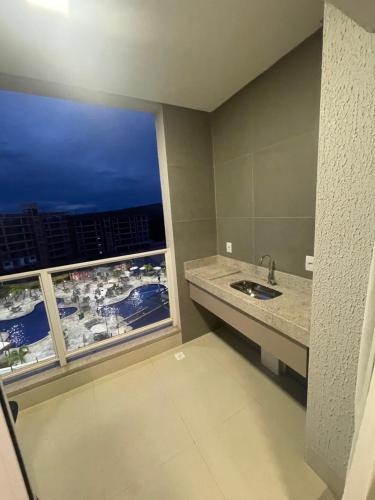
(77, 334)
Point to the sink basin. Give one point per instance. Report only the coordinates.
(255, 290)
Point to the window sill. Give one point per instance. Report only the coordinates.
(50, 383)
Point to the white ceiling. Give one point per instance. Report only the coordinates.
(193, 53)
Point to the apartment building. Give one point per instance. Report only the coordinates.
(34, 239)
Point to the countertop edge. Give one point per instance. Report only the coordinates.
(295, 332)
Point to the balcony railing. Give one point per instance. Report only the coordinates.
(52, 316)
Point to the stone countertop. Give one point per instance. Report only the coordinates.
(289, 313)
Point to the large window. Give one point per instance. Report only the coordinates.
(110, 300)
(24, 329)
(78, 183)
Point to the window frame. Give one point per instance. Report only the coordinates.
(48, 89)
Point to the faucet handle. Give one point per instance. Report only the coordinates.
(263, 256)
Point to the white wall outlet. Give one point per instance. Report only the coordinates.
(228, 247)
(309, 263)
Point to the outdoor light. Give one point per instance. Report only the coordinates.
(59, 6)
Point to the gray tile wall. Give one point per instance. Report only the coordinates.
(191, 184)
(265, 142)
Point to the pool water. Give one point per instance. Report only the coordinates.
(144, 305)
(32, 327)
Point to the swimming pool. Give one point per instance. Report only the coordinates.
(144, 305)
(32, 327)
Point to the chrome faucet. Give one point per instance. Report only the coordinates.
(271, 269)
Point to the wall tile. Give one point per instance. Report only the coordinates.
(233, 186)
(195, 320)
(288, 241)
(191, 184)
(274, 119)
(285, 178)
(286, 97)
(233, 127)
(193, 240)
(188, 136)
(239, 232)
(192, 192)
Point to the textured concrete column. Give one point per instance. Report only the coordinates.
(344, 236)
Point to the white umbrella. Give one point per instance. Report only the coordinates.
(143, 268)
(134, 268)
(157, 268)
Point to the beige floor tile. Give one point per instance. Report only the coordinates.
(184, 477)
(128, 400)
(233, 354)
(70, 411)
(173, 372)
(278, 405)
(203, 392)
(126, 450)
(138, 426)
(212, 424)
(72, 474)
(58, 439)
(127, 383)
(250, 460)
(59, 427)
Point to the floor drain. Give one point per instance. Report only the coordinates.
(179, 356)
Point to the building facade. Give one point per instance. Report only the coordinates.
(34, 239)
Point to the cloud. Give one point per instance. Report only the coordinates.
(69, 156)
(71, 207)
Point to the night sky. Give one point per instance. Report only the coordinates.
(69, 156)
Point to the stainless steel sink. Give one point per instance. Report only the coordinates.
(255, 290)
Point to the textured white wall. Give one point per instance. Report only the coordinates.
(344, 235)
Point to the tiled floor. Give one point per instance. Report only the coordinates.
(211, 426)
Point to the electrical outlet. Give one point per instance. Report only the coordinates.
(229, 247)
(309, 263)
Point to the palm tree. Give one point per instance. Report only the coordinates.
(17, 356)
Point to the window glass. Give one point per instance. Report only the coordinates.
(24, 329)
(111, 300)
(78, 182)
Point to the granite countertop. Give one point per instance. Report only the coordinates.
(289, 313)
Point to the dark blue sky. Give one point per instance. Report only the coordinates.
(66, 155)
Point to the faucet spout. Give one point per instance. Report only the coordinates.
(271, 268)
